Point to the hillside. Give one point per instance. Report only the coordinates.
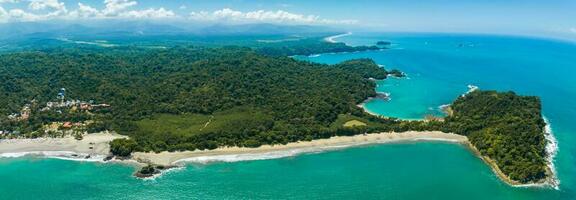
(204, 98)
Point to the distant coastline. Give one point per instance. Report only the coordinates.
(332, 39)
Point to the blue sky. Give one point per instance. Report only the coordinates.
(527, 17)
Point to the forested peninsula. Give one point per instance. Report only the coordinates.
(187, 98)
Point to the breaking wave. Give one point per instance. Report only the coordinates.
(258, 156)
(551, 151)
(62, 155)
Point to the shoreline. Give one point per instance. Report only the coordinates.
(71, 149)
(232, 154)
(550, 181)
(331, 39)
(68, 148)
(92, 148)
(551, 149)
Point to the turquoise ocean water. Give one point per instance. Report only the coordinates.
(439, 67)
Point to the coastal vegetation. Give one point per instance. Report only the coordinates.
(505, 127)
(229, 96)
(189, 98)
(310, 46)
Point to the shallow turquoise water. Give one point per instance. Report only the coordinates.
(393, 171)
(439, 70)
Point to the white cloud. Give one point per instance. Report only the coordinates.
(148, 13)
(44, 4)
(85, 11)
(278, 16)
(9, 1)
(113, 7)
(22, 15)
(3, 14)
(119, 9)
(55, 9)
(39, 10)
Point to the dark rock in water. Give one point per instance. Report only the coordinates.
(396, 73)
(74, 155)
(151, 170)
(108, 158)
(383, 43)
(383, 95)
(147, 171)
(86, 157)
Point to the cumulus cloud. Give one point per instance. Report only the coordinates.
(47, 4)
(55, 9)
(119, 9)
(3, 14)
(281, 16)
(85, 11)
(38, 10)
(9, 1)
(148, 13)
(21, 15)
(113, 7)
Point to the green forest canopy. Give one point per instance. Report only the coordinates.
(203, 98)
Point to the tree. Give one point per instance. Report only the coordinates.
(123, 147)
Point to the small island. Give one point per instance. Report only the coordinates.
(383, 43)
(189, 102)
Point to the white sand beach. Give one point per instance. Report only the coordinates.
(91, 144)
(332, 39)
(97, 146)
(172, 158)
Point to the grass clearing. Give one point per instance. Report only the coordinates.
(346, 120)
(353, 123)
(191, 124)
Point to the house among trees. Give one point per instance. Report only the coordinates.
(67, 125)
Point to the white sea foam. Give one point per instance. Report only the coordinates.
(551, 151)
(443, 106)
(471, 88)
(241, 157)
(62, 155)
(14, 155)
(436, 139)
(259, 156)
(35, 153)
(291, 152)
(162, 173)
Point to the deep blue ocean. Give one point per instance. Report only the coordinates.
(439, 67)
